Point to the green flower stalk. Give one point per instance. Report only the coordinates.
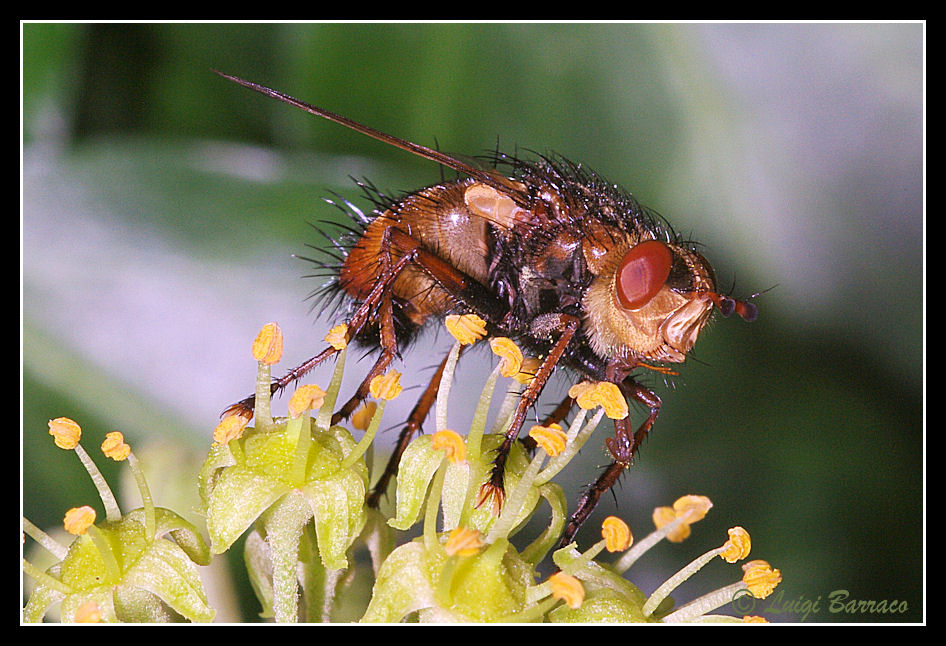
(136, 567)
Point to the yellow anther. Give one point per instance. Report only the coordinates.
(611, 399)
(337, 337)
(79, 519)
(115, 447)
(754, 619)
(737, 547)
(550, 438)
(463, 542)
(386, 386)
(527, 371)
(268, 344)
(692, 508)
(665, 515)
(568, 589)
(65, 432)
(582, 393)
(451, 443)
(590, 395)
(230, 428)
(616, 534)
(760, 578)
(687, 508)
(307, 397)
(509, 353)
(466, 328)
(362, 417)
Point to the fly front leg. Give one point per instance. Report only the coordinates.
(623, 447)
(566, 326)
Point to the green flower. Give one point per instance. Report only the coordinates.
(610, 598)
(300, 484)
(137, 567)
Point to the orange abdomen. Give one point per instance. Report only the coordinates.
(439, 220)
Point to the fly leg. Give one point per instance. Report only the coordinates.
(407, 250)
(379, 294)
(376, 303)
(494, 489)
(622, 447)
(555, 417)
(411, 428)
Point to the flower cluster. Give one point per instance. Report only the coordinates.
(140, 566)
(295, 487)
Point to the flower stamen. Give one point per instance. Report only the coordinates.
(114, 446)
(616, 534)
(78, 520)
(306, 398)
(567, 588)
(551, 439)
(463, 542)
(451, 443)
(66, 432)
(267, 348)
(386, 386)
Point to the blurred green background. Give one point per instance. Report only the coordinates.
(161, 206)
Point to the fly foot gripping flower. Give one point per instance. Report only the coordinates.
(136, 567)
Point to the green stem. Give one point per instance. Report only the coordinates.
(297, 430)
(146, 500)
(516, 500)
(537, 550)
(475, 436)
(431, 542)
(44, 579)
(105, 551)
(324, 418)
(112, 512)
(262, 406)
(51, 545)
(705, 604)
(446, 381)
(531, 614)
(284, 524)
(365, 442)
(640, 547)
(676, 580)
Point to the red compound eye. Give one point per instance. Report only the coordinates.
(642, 273)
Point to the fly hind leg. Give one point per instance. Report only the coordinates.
(376, 303)
(413, 426)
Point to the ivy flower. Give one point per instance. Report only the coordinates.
(281, 479)
(611, 598)
(134, 567)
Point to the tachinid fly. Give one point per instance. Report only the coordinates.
(547, 253)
